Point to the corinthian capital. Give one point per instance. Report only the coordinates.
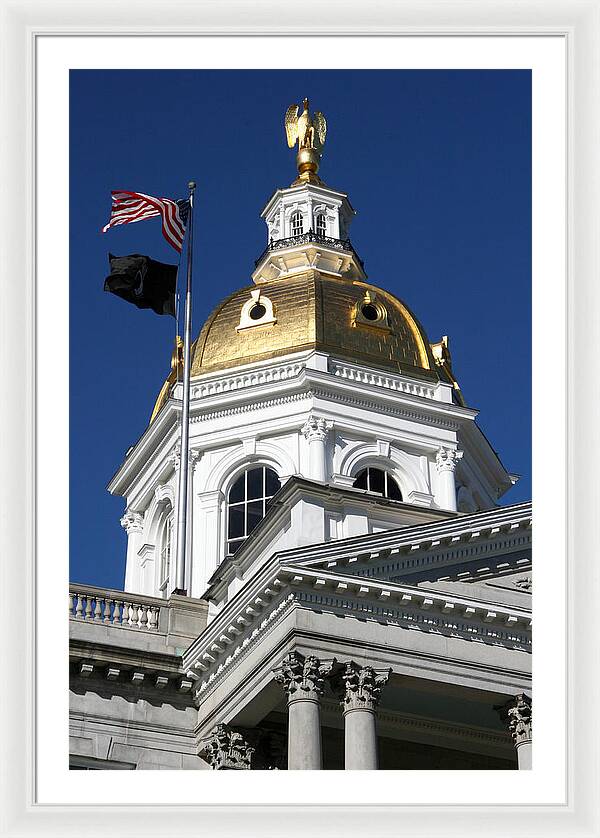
(303, 677)
(359, 687)
(447, 459)
(174, 458)
(226, 749)
(516, 714)
(132, 522)
(316, 427)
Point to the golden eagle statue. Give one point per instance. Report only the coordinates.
(309, 132)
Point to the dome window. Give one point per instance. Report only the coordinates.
(297, 224)
(247, 503)
(257, 311)
(378, 482)
(321, 224)
(370, 312)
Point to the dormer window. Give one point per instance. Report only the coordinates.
(257, 311)
(321, 224)
(297, 224)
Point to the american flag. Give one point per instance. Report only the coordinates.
(135, 206)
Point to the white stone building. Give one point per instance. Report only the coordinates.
(355, 596)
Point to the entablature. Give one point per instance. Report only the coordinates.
(280, 587)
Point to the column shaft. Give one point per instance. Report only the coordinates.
(304, 736)
(446, 461)
(524, 755)
(316, 455)
(360, 740)
(448, 490)
(359, 688)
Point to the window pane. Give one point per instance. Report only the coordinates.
(236, 521)
(393, 490)
(255, 483)
(361, 479)
(255, 514)
(272, 482)
(376, 481)
(297, 224)
(236, 493)
(234, 546)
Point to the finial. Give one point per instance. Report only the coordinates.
(309, 132)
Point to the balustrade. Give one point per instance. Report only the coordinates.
(125, 612)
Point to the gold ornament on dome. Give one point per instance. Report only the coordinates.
(309, 132)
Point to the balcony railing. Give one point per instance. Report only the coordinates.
(115, 608)
(306, 238)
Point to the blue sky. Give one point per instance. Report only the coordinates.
(437, 165)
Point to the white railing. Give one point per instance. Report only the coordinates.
(251, 378)
(115, 608)
(381, 379)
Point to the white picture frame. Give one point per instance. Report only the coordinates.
(23, 24)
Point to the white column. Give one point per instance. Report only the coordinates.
(516, 714)
(303, 679)
(133, 524)
(446, 460)
(316, 429)
(360, 688)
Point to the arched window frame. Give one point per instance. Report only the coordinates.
(389, 480)
(296, 223)
(321, 224)
(165, 552)
(245, 502)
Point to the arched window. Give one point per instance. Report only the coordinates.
(321, 224)
(247, 503)
(166, 544)
(297, 224)
(379, 482)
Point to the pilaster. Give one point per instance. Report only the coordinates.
(133, 524)
(446, 460)
(316, 430)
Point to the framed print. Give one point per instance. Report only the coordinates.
(282, 455)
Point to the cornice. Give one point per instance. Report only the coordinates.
(319, 189)
(439, 535)
(129, 668)
(248, 407)
(265, 598)
(142, 450)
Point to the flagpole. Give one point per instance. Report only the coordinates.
(184, 464)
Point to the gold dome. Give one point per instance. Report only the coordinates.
(351, 320)
(313, 311)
